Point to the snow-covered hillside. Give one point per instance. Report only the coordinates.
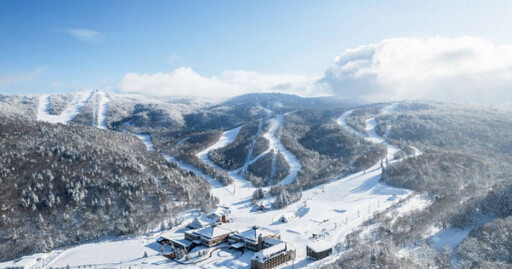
(331, 207)
(70, 112)
(102, 110)
(331, 210)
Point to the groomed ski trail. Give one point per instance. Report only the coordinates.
(71, 111)
(102, 111)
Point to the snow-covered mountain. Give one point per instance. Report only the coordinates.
(397, 184)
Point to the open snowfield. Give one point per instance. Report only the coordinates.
(415, 202)
(451, 237)
(332, 210)
(108, 254)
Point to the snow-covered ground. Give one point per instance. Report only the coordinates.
(108, 254)
(415, 202)
(149, 145)
(227, 138)
(72, 109)
(276, 145)
(451, 237)
(444, 239)
(102, 110)
(332, 210)
(147, 141)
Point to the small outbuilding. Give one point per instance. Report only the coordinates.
(220, 213)
(319, 249)
(203, 221)
(287, 217)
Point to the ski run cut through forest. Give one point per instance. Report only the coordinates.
(322, 216)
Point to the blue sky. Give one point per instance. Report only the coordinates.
(58, 46)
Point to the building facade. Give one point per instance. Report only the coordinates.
(209, 236)
(272, 257)
(318, 250)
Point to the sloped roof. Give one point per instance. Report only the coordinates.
(219, 211)
(213, 231)
(289, 216)
(252, 234)
(203, 221)
(182, 242)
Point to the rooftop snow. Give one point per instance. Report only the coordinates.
(267, 253)
(203, 221)
(211, 232)
(272, 241)
(219, 211)
(319, 246)
(252, 234)
(238, 245)
(289, 216)
(182, 242)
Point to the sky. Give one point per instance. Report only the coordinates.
(222, 48)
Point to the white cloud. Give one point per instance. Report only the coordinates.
(86, 35)
(15, 78)
(463, 69)
(186, 82)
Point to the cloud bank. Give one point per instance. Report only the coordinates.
(184, 81)
(462, 69)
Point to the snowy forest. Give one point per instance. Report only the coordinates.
(465, 171)
(65, 185)
(62, 180)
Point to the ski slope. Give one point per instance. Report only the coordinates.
(71, 111)
(251, 149)
(276, 145)
(146, 139)
(74, 108)
(241, 189)
(276, 123)
(102, 111)
(226, 138)
(333, 210)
